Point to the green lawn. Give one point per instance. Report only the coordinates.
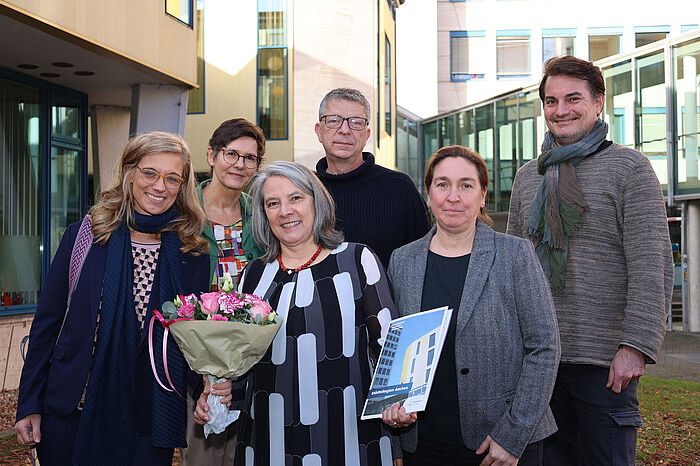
(671, 431)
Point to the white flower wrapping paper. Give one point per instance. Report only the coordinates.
(220, 416)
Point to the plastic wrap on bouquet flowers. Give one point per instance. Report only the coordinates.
(221, 335)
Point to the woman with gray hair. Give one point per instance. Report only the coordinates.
(306, 395)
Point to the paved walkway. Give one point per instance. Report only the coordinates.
(679, 357)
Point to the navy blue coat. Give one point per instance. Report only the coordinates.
(55, 372)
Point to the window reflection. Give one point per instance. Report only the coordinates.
(506, 121)
(484, 146)
(532, 126)
(557, 47)
(465, 129)
(687, 82)
(602, 46)
(619, 103)
(21, 194)
(65, 192)
(272, 68)
(65, 119)
(651, 113)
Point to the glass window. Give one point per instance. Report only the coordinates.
(465, 134)
(272, 68)
(431, 355)
(387, 85)
(618, 111)
(467, 55)
(484, 146)
(65, 192)
(513, 53)
(532, 125)
(447, 131)
(65, 119)
(407, 148)
(195, 99)
(687, 83)
(651, 113)
(601, 46)
(506, 121)
(430, 139)
(557, 47)
(21, 229)
(180, 9)
(644, 38)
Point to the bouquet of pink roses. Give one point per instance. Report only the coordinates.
(220, 334)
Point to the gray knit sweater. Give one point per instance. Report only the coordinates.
(619, 268)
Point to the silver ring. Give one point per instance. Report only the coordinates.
(394, 424)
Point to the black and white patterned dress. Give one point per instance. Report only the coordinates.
(309, 390)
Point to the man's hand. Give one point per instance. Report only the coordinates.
(498, 456)
(29, 430)
(627, 365)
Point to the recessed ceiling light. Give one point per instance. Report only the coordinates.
(49, 75)
(27, 66)
(84, 73)
(63, 64)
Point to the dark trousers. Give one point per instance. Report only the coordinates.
(596, 425)
(430, 453)
(58, 437)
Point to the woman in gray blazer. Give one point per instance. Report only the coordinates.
(489, 403)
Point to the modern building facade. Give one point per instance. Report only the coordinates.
(652, 104)
(459, 52)
(272, 61)
(77, 78)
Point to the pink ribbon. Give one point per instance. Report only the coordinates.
(165, 324)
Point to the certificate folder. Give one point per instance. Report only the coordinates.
(407, 362)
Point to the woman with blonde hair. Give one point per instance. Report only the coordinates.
(87, 393)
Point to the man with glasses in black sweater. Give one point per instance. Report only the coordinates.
(375, 206)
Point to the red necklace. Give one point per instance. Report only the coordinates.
(302, 267)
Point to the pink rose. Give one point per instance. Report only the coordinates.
(219, 317)
(260, 308)
(186, 310)
(210, 302)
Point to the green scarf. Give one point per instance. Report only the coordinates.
(558, 207)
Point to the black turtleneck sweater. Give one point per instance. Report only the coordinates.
(376, 206)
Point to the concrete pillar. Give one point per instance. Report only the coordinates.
(693, 239)
(156, 107)
(110, 132)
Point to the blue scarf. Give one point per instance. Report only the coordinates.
(559, 205)
(107, 434)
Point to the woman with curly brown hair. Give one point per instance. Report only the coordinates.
(87, 393)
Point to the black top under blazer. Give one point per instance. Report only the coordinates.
(507, 343)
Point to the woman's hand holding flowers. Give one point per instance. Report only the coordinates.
(222, 389)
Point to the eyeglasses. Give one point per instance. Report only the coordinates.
(170, 180)
(231, 157)
(354, 123)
